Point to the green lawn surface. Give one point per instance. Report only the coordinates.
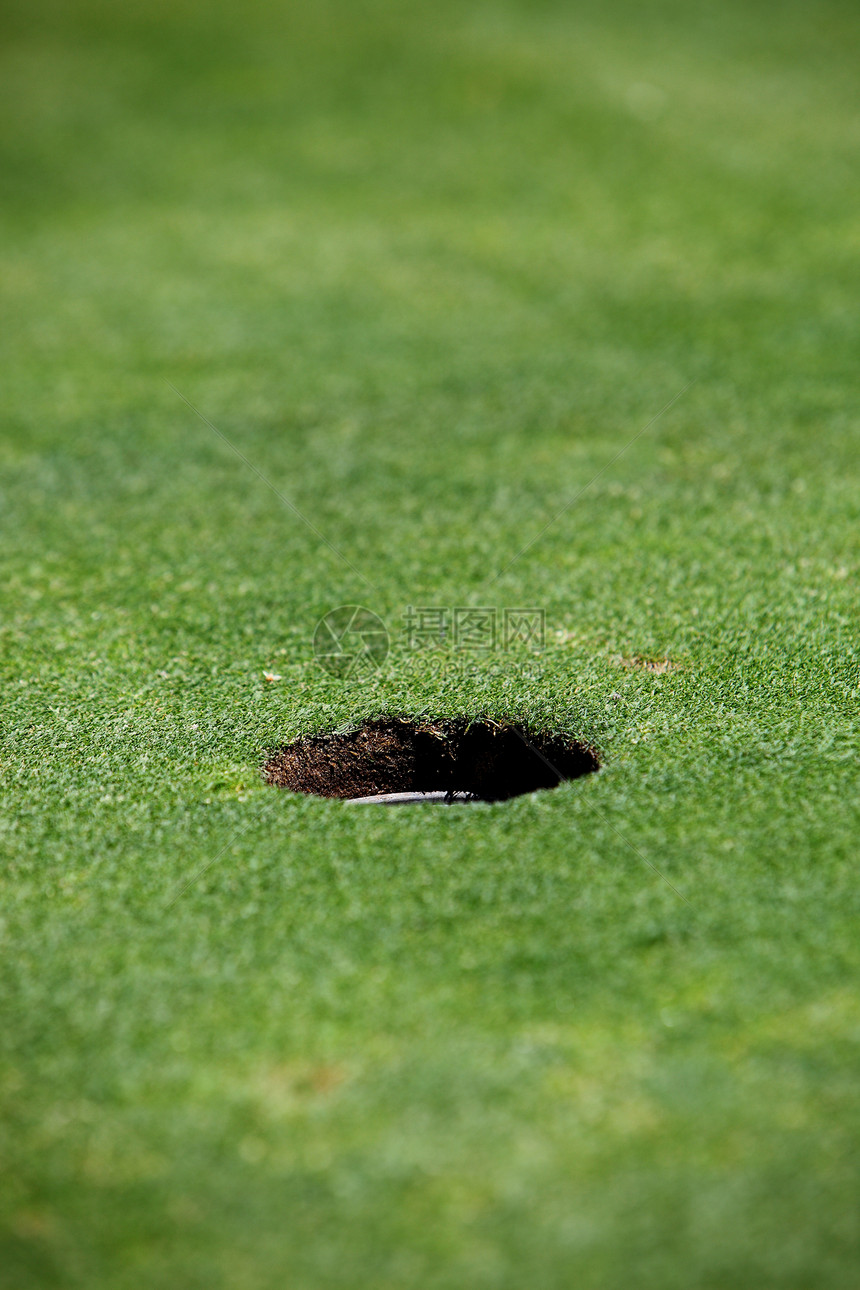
(505, 303)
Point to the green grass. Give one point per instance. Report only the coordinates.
(431, 268)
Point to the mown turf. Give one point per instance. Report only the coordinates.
(430, 268)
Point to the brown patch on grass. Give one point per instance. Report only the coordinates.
(656, 665)
(33, 1224)
(302, 1079)
(490, 760)
(288, 1085)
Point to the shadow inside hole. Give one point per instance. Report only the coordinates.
(486, 760)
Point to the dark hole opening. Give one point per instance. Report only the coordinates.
(487, 760)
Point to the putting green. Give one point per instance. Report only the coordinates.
(453, 312)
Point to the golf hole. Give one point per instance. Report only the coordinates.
(395, 761)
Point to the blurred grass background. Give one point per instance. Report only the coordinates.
(431, 269)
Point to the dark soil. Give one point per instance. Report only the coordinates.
(490, 760)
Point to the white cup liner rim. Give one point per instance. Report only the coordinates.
(411, 799)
